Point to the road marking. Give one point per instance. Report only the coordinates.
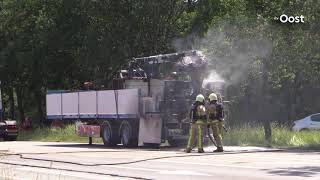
(184, 172)
(259, 156)
(279, 158)
(172, 172)
(64, 173)
(132, 168)
(245, 160)
(207, 164)
(12, 178)
(234, 166)
(284, 159)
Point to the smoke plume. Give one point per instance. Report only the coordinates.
(230, 52)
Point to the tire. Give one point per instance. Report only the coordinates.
(109, 134)
(11, 138)
(128, 134)
(151, 145)
(176, 142)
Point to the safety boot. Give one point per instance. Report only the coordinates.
(219, 149)
(200, 150)
(188, 150)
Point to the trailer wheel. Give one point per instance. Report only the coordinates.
(128, 134)
(13, 138)
(176, 142)
(109, 136)
(151, 145)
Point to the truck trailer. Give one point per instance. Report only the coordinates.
(148, 103)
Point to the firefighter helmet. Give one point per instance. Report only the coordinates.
(213, 97)
(200, 98)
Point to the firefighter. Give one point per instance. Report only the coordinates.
(215, 111)
(198, 117)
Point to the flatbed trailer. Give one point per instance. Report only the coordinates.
(142, 108)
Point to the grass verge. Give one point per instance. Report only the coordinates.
(65, 134)
(281, 137)
(246, 136)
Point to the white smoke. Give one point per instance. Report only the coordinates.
(229, 52)
(212, 77)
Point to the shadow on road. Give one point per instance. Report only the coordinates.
(305, 171)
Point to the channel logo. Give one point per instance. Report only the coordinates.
(290, 19)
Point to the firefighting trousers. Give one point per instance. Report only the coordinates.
(216, 127)
(196, 129)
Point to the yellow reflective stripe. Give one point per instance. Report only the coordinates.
(200, 121)
(213, 121)
(200, 146)
(190, 141)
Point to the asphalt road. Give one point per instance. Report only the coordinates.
(55, 161)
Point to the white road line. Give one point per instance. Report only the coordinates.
(207, 164)
(175, 172)
(132, 168)
(239, 157)
(184, 172)
(264, 156)
(12, 178)
(229, 160)
(232, 166)
(64, 173)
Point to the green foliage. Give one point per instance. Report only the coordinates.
(281, 137)
(272, 68)
(61, 44)
(244, 136)
(65, 134)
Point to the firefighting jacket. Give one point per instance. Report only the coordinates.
(215, 111)
(195, 114)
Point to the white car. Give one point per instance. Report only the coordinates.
(311, 122)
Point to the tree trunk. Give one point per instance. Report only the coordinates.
(39, 96)
(20, 101)
(11, 104)
(267, 131)
(2, 104)
(266, 106)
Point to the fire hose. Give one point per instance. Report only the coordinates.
(211, 137)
